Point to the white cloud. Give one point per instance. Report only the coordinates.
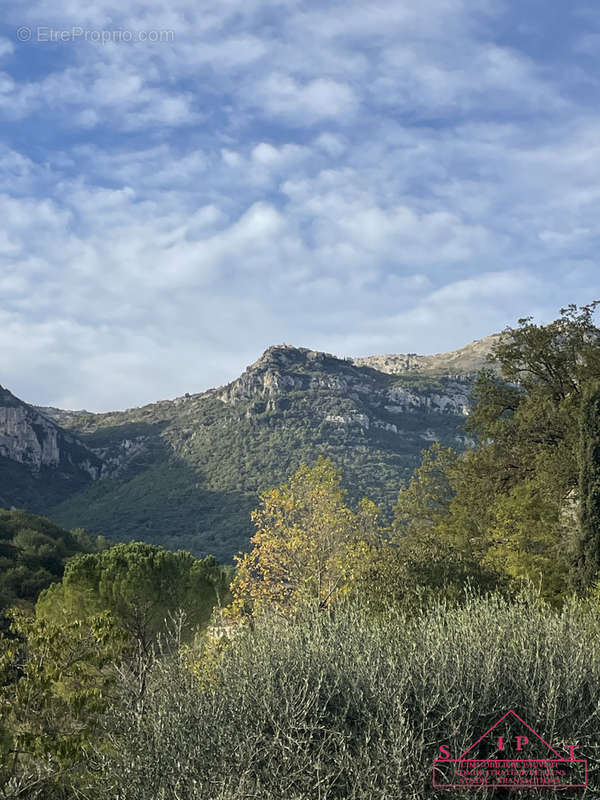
(322, 98)
(7, 48)
(332, 144)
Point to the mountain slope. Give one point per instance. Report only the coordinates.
(40, 463)
(186, 472)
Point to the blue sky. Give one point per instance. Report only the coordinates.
(346, 176)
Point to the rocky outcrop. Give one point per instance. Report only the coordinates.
(32, 439)
(61, 416)
(280, 369)
(120, 454)
(454, 400)
(284, 369)
(466, 360)
(28, 438)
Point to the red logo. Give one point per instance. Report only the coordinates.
(510, 753)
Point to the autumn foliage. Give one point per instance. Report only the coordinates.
(308, 547)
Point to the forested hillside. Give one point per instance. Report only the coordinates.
(186, 473)
(33, 554)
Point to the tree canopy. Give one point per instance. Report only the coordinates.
(509, 504)
(308, 544)
(141, 585)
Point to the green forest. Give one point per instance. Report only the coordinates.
(346, 645)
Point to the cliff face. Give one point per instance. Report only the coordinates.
(47, 461)
(282, 369)
(28, 437)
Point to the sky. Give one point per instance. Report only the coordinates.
(184, 184)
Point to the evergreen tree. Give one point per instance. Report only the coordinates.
(144, 587)
(588, 549)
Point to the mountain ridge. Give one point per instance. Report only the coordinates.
(186, 472)
(462, 362)
(465, 360)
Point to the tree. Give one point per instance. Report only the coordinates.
(426, 499)
(530, 416)
(55, 682)
(306, 546)
(555, 359)
(432, 558)
(142, 586)
(505, 505)
(522, 538)
(524, 472)
(588, 543)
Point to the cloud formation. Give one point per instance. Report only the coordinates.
(396, 177)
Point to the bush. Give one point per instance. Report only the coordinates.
(350, 708)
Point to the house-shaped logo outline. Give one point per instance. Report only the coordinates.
(522, 721)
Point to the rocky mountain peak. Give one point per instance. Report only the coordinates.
(284, 368)
(283, 356)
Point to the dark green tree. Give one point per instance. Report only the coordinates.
(588, 544)
(554, 359)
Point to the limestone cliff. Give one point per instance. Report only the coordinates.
(47, 461)
(466, 360)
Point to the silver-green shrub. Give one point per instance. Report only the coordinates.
(348, 707)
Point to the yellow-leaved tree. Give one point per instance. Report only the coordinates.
(308, 547)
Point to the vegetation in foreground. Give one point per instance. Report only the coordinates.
(347, 707)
